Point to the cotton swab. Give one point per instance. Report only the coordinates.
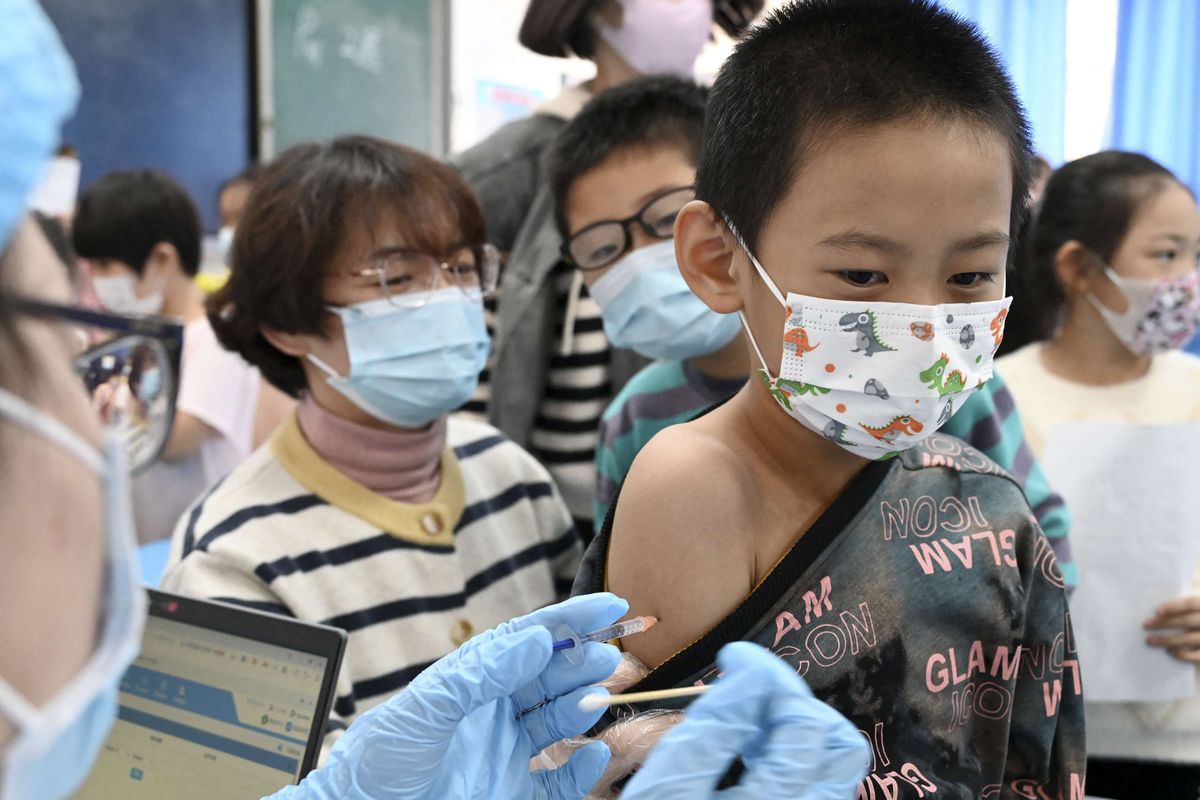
(594, 702)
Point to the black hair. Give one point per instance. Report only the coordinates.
(1093, 201)
(123, 215)
(819, 67)
(647, 112)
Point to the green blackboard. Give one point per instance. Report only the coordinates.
(333, 67)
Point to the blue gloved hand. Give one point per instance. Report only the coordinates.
(457, 731)
(793, 745)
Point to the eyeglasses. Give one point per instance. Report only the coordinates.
(602, 243)
(408, 279)
(131, 377)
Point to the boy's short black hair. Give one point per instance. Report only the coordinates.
(125, 214)
(819, 67)
(650, 112)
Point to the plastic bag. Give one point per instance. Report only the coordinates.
(630, 740)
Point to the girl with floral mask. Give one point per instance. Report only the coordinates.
(358, 277)
(1108, 293)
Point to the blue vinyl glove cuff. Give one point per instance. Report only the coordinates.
(458, 731)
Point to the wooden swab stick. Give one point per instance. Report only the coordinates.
(596, 701)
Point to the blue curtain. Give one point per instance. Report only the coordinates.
(1156, 86)
(1031, 37)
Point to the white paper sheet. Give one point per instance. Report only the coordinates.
(55, 195)
(1133, 492)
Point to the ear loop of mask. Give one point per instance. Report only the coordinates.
(1122, 323)
(321, 365)
(26, 414)
(330, 372)
(770, 285)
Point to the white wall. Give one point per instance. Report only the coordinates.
(495, 79)
(492, 77)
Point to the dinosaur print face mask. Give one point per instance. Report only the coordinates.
(877, 378)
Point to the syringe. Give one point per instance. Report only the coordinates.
(566, 639)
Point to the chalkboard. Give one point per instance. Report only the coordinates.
(332, 67)
(166, 85)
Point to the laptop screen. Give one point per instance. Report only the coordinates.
(206, 714)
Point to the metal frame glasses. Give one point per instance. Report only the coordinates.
(603, 243)
(408, 279)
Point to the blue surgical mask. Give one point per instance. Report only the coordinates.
(408, 366)
(39, 91)
(56, 743)
(647, 307)
(150, 385)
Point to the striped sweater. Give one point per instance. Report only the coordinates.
(669, 392)
(287, 533)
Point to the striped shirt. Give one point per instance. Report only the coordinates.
(578, 388)
(287, 533)
(477, 407)
(669, 392)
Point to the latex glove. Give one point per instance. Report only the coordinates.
(1181, 619)
(793, 745)
(457, 731)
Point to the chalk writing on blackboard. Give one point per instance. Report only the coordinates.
(362, 46)
(305, 43)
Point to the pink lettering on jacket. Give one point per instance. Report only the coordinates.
(943, 671)
(925, 516)
(946, 555)
(821, 637)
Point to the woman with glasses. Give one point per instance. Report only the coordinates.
(358, 279)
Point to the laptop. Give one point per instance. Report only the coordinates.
(222, 703)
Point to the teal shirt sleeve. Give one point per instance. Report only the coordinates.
(615, 449)
(656, 398)
(610, 471)
(990, 423)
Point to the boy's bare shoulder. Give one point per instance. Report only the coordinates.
(689, 471)
(681, 545)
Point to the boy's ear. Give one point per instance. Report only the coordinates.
(705, 256)
(162, 262)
